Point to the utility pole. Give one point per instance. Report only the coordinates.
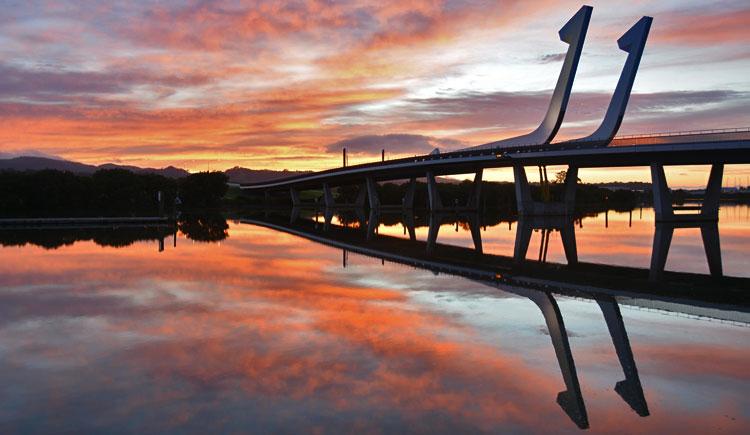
(382, 155)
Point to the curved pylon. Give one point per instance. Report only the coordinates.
(574, 33)
(633, 42)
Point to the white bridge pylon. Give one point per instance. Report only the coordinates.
(574, 33)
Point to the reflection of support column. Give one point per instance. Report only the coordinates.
(662, 198)
(372, 223)
(409, 224)
(630, 389)
(328, 196)
(476, 191)
(327, 218)
(432, 233)
(476, 233)
(433, 194)
(525, 226)
(711, 244)
(568, 236)
(372, 193)
(361, 217)
(295, 197)
(295, 215)
(408, 201)
(523, 238)
(710, 207)
(662, 240)
(361, 196)
(570, 400)
(161, 244)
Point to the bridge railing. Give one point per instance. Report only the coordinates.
(689, 136)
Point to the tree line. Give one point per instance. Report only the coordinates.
(107, 192)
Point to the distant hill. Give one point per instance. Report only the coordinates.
(244, 175)
(236, 174)
(28, 163)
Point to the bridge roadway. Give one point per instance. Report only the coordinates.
(732, 147)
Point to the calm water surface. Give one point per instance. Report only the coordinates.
(267, 332)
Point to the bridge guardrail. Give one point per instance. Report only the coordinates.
(742, 133)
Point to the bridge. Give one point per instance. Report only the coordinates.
(600, 149)
(608, 286)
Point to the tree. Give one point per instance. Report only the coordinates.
(204, 189)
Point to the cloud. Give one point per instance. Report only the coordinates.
(552, 58)
(704, 27)
(50, 85)
(393, 143)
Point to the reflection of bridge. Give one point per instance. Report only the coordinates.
(600, 149)
(608, 286)
(565, 225)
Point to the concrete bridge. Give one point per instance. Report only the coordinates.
(600, 149)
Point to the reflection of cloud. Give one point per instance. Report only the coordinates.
(268, 330)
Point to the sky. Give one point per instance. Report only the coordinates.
(285, 85)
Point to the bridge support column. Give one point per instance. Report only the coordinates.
(372, 193)
(328, 196)
(528, 207)
(408, 200)
(710, 207)
(433, 195)
(266, 197)
(476, 192)
(663, 198)
(361, 196)
(296, 202)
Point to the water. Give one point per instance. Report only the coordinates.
(264, 331)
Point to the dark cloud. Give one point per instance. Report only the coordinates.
(393, 143)
(551, 58)
(51, 85)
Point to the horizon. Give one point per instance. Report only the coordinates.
(286, 87)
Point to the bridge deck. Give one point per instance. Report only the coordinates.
(689, 148)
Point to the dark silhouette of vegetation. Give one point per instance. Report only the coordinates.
(204, 189)
(53, 238)
(205, 227)
(211, 227)
(106, 192)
